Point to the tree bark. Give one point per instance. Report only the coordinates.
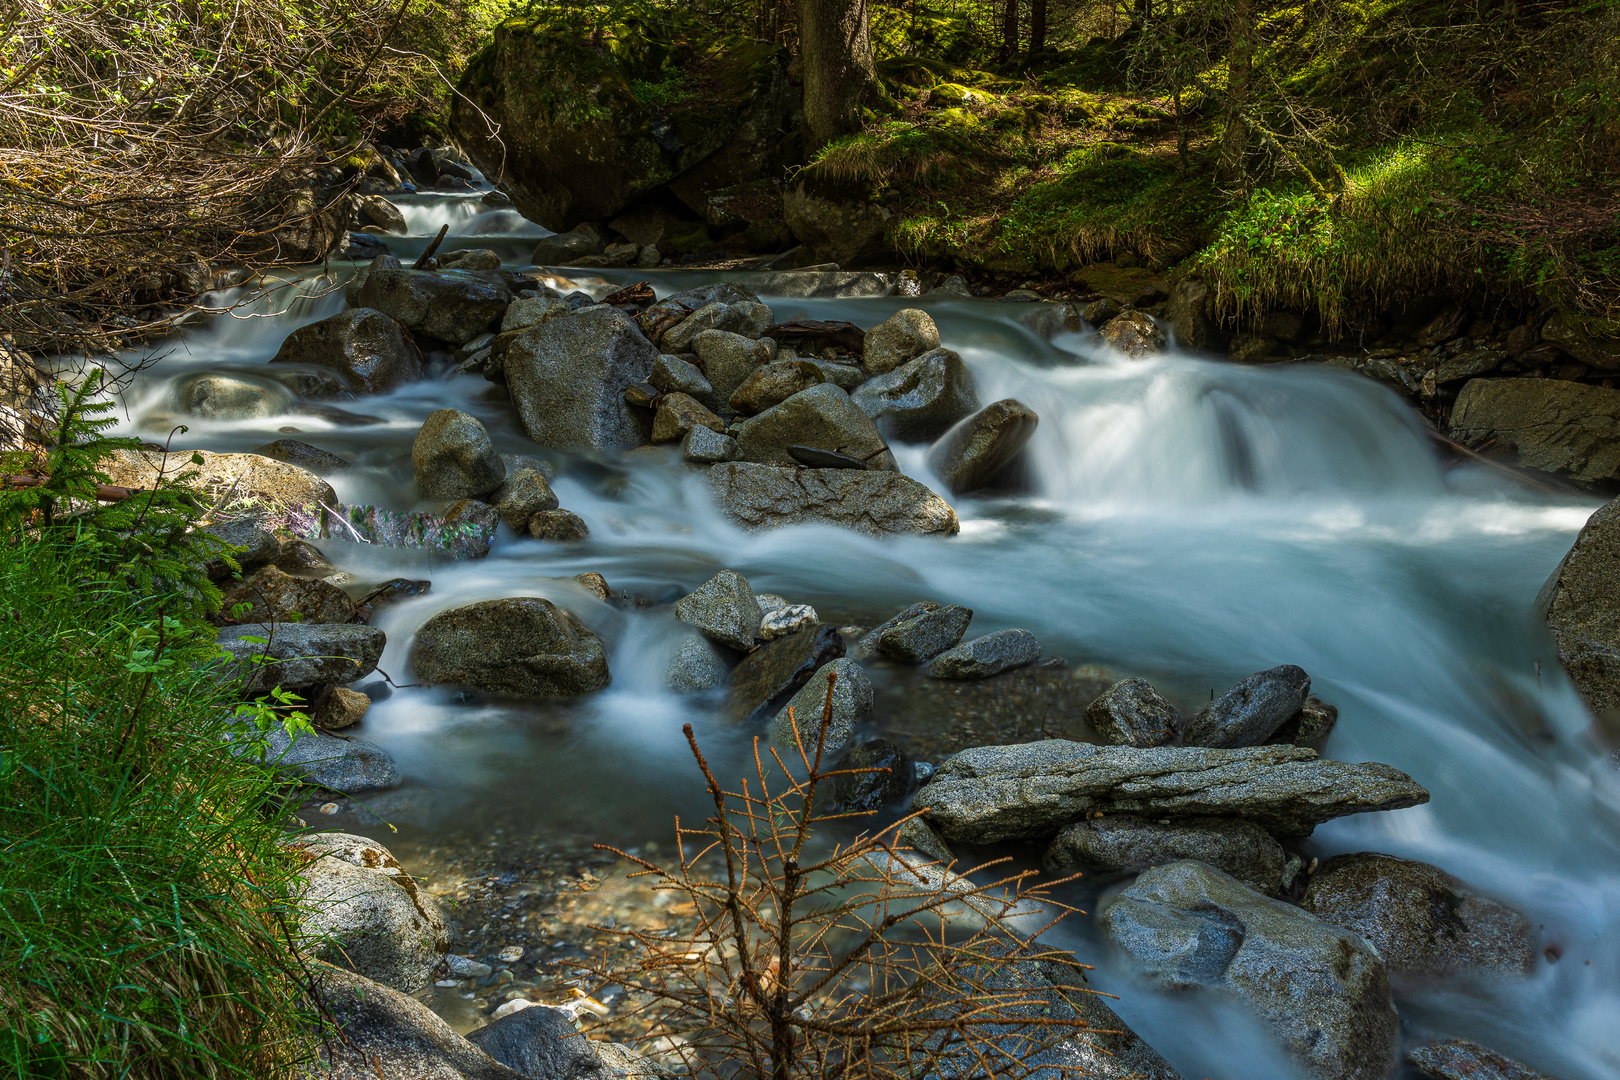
(1239, 74)
(1009, 31)
(1037, 26)
(835, 48)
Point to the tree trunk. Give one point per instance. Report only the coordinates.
(835, 47)
(1009, 32)
(1037, 26)
(1239, 73)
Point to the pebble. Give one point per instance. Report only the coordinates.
(447, 984)
(466, 967)
(787, 620)
(329, 808)
(510, 955)
(515, 1005)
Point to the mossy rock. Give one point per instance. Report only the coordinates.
(587, 130)
(954, 95)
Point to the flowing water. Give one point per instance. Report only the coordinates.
(1186, 519)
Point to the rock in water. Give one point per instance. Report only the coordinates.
(1567, 428)
(453, 457)
(1422, 921)
(568, 376)
(868, 645)
(1250, 712)
(340, 708)
(303, 455)
(523, 647)
(970, 454)
(276, 597)
(822, 417)
(1124, 843)
(237, 476)
(559, 527)
(1582, 601)
(222, 397)
(541, 1042)
(869, 792)
(878, 503)
(382, 215)
(303, 654)
(925, 635)
(352, 766)
(701, 446)
(785, 620)
(1134, 334)
(1132, 713)
(561, 249)
(1322, 990)
(771, 384)
(1311, 727)
(991, 793)
(904, 336)
(986, 656)
(922, 398)
(723, 608)
(364, 346)
(368, 914)
(851, 703)
(524, 494)
(1459, 1059)
(453, 307)
(778, 668)
(696, 666)
(678, 414)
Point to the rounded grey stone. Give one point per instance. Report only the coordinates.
(453, 457)
(903, 336)
(986, 656)
(1133, 713)
(1252, 711)
(696, 666)
(924, 636)
(724, 609)
(1126, 843)
(523, 647)
(524, 494)
(851, 703)
(705, 446)
(921, 399)
(365, 346)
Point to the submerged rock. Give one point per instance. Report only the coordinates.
(723, 608)
(1133, 713)
(779, 668)
(869, 792)
(921, 399)
(523, 646)
(364, 346)
(992, 793)
(223, 397)
(822, 417)
(301, 655)
(851, 703)
(1582, 602)
(1322, 991)
(1423, 921)
(540, 1043)
(1134, 334)
(465, 534)
(986, 656)
(568, 376)
(1250, 712)
(878, 503)
(367, 914)
(696, 666)
(1459, 1059)
(902, 337)
(970, 454)
(453, 457)
(1125, 843)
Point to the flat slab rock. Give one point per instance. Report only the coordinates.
(1459, 1059)
(878, 503)
(992, 793)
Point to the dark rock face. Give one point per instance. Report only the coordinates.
(922, 398)
(1310, 728)
(1423, 921)
(1459, 1059)
(1132, 713)
(524, 646)
(991, 793)
(303, 654)
(539, 1042)
(1582, 601)
(576, 144)
(971, 453)
(364, 346)
(822, 417)
(1126, 843)
(1566, 428)
(1322, 991)
(453, 307)
(766, 676)
(1250, 712)
(874, 790)
(925, 635)
(1134, 334)
(568, 376)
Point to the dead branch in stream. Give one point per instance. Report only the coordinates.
(861, 960)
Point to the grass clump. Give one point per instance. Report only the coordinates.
(143, 908)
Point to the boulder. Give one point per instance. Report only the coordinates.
(224, 397)
(1134, 334)
(870, 792)
(970, 454)
(522, 646)
(991, 793)
(534, 311)
(376, 212)
(1133, 713)
(541, 1043)
(559, 527)
(1459, 1059)
(746, 319)
(822, 417)
(276, 597)
(1322, 991)
(875, 503)
(772, 384)
(340, 708)
(470, 259)
(453, 306)
(1250, 712)
(334, 762)
(696, 666)
(367, 914)
(1191, 315)
(1603, 354)
(574, 140)
(1422, 921)
(672, 375)
(568, 376)
(302, 655)
(1582, 603)
(303, 455)
(843, 376)
(565, 248)
(778, 668)
(1098, 312)
(385, 1031)
(729, 359)
(364, 346)
(678, 414)
(702, 446)
(1566, 428)
(986, 656)
(838, 228)
(1124, 843)
(851, 703)
(925, 635)
(524, 494)
(900, 338)
(1310, 727)
(922, 398)
(453, 457)
(724, 609)
(1443, 327)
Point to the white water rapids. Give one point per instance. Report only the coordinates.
(1189, 520)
